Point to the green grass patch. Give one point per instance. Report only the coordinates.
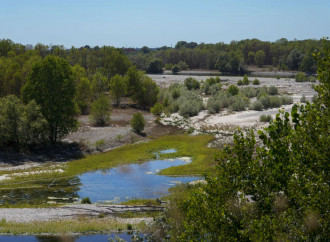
(69, 226)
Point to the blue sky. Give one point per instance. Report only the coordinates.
(128, 23)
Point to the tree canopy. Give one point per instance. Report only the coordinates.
(51, 85)
(274, 187)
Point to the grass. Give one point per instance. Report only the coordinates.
(68, 226)
(192, 146)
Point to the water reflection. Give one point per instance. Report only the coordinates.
(107, 185)
(46, 191)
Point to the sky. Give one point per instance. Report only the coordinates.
(152, 23)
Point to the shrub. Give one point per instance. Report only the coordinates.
(239, 103)
(176, 69)
(190, 103)
(272, 90)
(275, 101)
(157, 109)
(249, 92)
(138, 122)
(233, 90)
(129, 227)
(285, 100)
(257, 105)
(86, 200)
(303, 99)
(191, 83)
(312, 79)
(246, 80)
(100, 111)
(213, 89)
(256, 82)
(265, 118)
(239, 83)
(301, 77)
(265, 100)
(213, 105)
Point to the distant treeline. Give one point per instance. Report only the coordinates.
(232, 58)
(17, 60)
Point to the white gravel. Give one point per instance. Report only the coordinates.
(22, 215)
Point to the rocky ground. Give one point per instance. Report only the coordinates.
(23, 215)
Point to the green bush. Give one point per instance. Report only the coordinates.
(233, 90)
(190, 103)
(257, 105)
(301, 77)
(239, 83)
(285, 100)
(213, 105)
(21, 125)
(256, 82)
(176, 69)
(265, 118)
(312, 79)
(272, 90)
(239, 103)
(157, 109)
(191, 83)
(246, 80)
(249, 92)
(303, 99)
(100, 111)
(138, 122)
(265, 100)
(86, 200)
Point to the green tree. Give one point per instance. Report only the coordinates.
(157, 109)
(276, 190)
(138, 122)
(100, 111)
(176, 69)
(51, 86)
(294, 59)
(20, 125)
(146, 96)
(100, 84)
(251, 57)
(260, 58)
(155, 66)
(118, 88)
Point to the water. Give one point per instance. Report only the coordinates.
(113, 185)
(130, 181)
(66, 238)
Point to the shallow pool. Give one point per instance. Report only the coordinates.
(113, 185)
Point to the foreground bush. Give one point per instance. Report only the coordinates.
(255, 82)
(191, 83)
(274, 191)
(190, 104)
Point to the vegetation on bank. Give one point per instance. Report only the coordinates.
(82, 225)
(192, 146)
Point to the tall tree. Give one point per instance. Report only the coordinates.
(51, 85)
(118, 88)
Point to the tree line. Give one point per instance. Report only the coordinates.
(42, 89)
(233, 58)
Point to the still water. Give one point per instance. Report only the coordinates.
(113, 185)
